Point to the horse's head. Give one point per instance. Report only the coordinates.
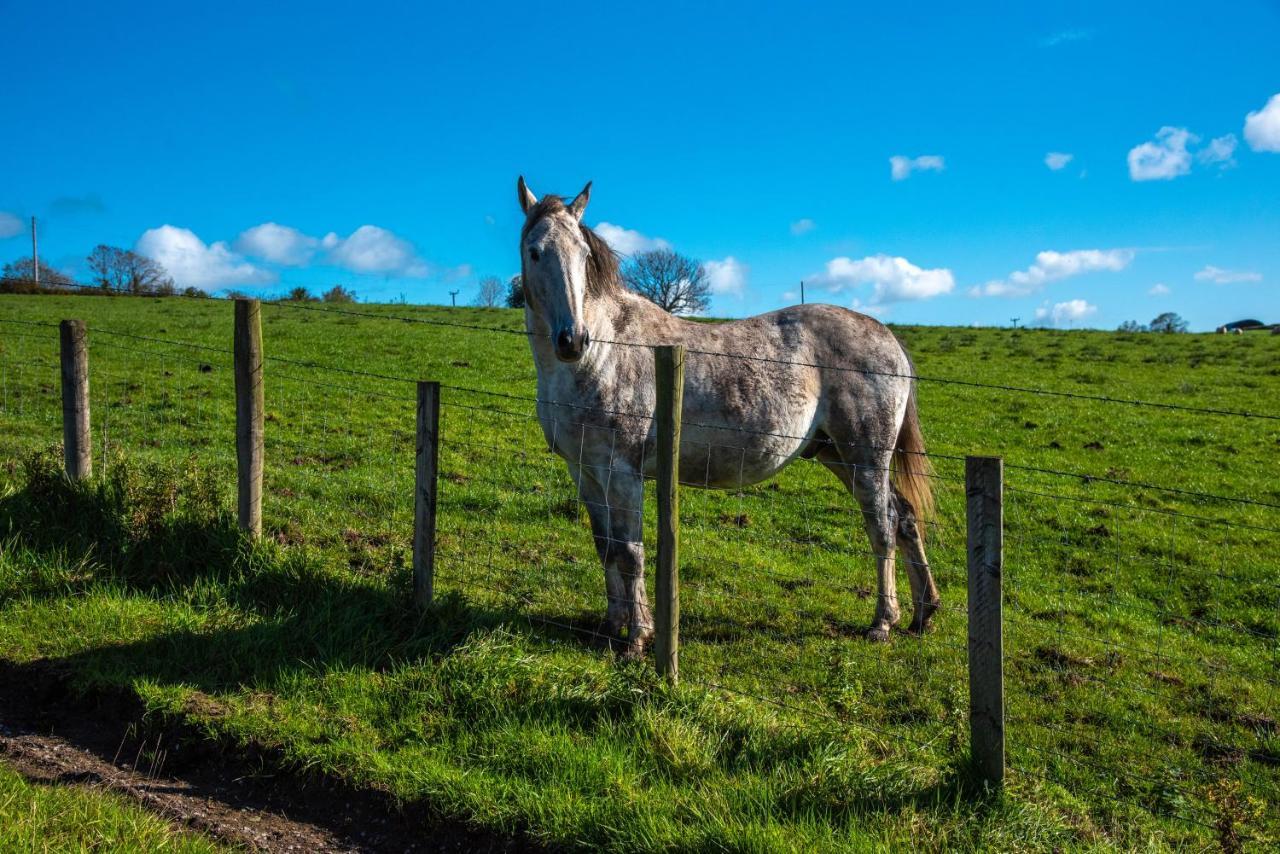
(555, 254)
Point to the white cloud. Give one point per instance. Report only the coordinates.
(727, 277)
(1159, 289)
(1219, 276)
(901, 167)
(894, 279)
(1066, 313)
(626, 242)
(1056, 160)
(803, 226)
(1220, 151)
(10, 225)
(1164, 159)
(193, 264)
(278, 244)
(1065, 36)
(1051, 266)
(1262, 127)
(370, 249)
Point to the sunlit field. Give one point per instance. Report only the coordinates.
(1141, 625)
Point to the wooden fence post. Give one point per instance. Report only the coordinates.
(424, 494)
(984, 490)
(249, 415)
(76, 442)
(669, 373)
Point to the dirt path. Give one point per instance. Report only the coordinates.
(51, 737)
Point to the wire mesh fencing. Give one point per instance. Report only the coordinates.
(1142, 651)
(1141, 623)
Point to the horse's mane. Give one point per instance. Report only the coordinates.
(603, 275)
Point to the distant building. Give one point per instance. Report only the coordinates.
(1238, 326)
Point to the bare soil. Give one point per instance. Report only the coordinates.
(242, 797)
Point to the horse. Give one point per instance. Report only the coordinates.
(806, 381)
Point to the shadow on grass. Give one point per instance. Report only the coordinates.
(271, 614)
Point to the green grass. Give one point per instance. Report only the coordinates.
(41, 817)
(1141, 647)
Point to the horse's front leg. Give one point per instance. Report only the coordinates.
(617, 522)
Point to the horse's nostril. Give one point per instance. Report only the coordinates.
(564, 341)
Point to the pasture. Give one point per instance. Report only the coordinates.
(1142, 625)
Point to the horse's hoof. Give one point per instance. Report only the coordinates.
(633, 652)
(878, 634)
(923, 618)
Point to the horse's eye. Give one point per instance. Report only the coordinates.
(533, 254)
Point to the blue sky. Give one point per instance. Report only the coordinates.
(383, 142)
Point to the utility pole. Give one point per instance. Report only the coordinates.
(802, 291)
(453, 298)
(35, 255)
(1015, 322)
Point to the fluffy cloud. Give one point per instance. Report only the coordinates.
(803, 226)
(193, 264)
(1056, 160)
(626, 242)
(1220, 150)
(10, 225)
(278, 244)
(1051, 266)
(727, 277)
(1159, 289)
(901, 167)
(370, 249)
(1262, 127)
(1066, 313)
(893, 279)
(1219, 276)
(1164, 159)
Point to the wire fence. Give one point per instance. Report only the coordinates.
(1141, 622)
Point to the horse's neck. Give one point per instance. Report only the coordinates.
(616, 321)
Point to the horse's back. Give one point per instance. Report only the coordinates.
(758, 390)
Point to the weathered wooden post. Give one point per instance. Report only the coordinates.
(424, 494)
(249, 415)
(669, 372)
(76, 441)
(984, 490)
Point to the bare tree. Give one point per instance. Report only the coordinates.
(124, 270)
(515, 292)
(490, 293)
(18, 277)
(670, 280)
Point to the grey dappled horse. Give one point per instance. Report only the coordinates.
(816, 381)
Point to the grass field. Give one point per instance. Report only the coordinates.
(1142, 627)
(37, 818)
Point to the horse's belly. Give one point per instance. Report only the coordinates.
(718, 455)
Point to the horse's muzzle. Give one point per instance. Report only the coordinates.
(570, 345)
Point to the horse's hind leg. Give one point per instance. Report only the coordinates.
(924, 593)
(867, 477)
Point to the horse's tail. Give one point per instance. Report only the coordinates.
(913, 473)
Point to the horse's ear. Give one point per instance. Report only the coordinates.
(579, 205)
(526, 196)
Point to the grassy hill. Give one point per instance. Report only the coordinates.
(1141, 624)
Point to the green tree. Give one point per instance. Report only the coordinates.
(1168, 322)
